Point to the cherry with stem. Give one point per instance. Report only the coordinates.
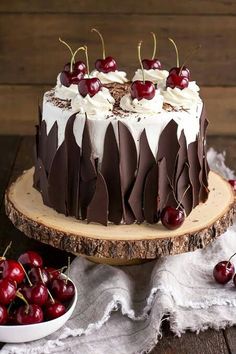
(223, 271)
(152, 63)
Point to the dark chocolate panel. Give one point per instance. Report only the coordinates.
(184, 190)
(194, 171)
(150, 197)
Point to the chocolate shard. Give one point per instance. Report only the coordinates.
(37, 140)
(51, 143)
(58, 181)
(98, 208)
(128, 166)
(150, 195)
(165, 189)
(194, 171)
(88, 173)
(146, 161)
(73, 165)
(43, 182)
(182, 157)
(36, 180)
(111, 173)
(39, 114)
(168, 147)
(42, 148)
(184, 190)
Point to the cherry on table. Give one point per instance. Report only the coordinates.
(13, 270)
(142, 89)
(62, 289)
(39, 275)
(3, 314)
(89, 86)
(172, 218)
(54, 309)
(29, 314)
(223, 272)
(36, 294)
(31, 259)
(7, 291)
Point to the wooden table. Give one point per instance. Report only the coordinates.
(16, 155)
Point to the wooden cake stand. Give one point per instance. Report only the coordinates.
(119, 244)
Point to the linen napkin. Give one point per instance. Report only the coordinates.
(120, 309)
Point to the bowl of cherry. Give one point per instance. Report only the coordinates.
(35, 301)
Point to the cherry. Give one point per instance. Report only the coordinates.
(106, 64)
(172, 218)
(177, 81)
(184, 71)
(29, 314)
(68, 78)
(142, 89)
(223, 272)
(63, 289)
(31, 259)
(11, 318)
(54, 309)
(7, 291)
(53, 273)
(36, 294)
(233, 183)
(13, 270)
(3, 314)
(152, 63)
(80, 67)
(89, 86)
(39, 275)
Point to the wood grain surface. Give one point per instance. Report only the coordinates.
(16, 155)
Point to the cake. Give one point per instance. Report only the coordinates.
(109, 150)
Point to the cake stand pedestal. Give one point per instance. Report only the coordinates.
(119, 244)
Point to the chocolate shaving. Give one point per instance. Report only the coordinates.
(150, 195)
(146, 161)
(111, 173)
(98, 208)
(128, 165)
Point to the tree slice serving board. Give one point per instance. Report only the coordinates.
(119, 244)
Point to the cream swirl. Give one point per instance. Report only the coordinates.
(155, 75)
(152, 106)
(112, 76)
(63, 92)
(101, 102)
(185, 98)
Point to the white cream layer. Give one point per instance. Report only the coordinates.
(113, 76)
(136, 122)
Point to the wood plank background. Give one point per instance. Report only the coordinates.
(31, 56)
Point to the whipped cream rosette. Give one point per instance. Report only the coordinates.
(143, 106)
(64, 92)
(157, 76)
(108, 78)
(185, 98)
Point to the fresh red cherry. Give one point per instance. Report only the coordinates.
(140, 89)
(54, 309)
(7, 291)
(31, 259)
(39, 275)
(177, 81)
(89, 86)
(184, 71)
(68, 78)
(63, 289)
(172, 218)
(3, 315)
(13, 270)
(11, 318)
(233, 183)
(36, 294)
(80, 67)
(29, 314)
(106, 65)
(223, 272)
(53, 273)
(151, 64)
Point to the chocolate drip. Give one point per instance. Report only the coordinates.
(111, 173)
(98, 208)
(146, 161)
(58, 181)
(150, 195)
(194, 171)
(128, 165)
(88, 173)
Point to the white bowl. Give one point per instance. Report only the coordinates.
(27, 333)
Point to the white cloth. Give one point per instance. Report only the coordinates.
(120, 309)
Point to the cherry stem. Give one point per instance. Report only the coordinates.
(51, 297)
(87, 59)
(103, 45)
(154, 45)
(26, 275)
(176, 51)
(230, 260)
(67, 45)
(193, 51)
(182, 197)
(6, 250)
(73, 58)
(20, 296)
(140, 60)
